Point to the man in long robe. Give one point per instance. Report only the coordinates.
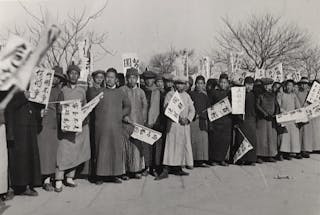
(178, 149)
(110, 113)
(74, 147)
(48, 136)
(138, 114)
(153, 99)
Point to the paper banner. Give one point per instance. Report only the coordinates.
(85, 60)
(275, 73)
(13, 56)
(259, 73)
(219, 109)
(71, 116)
(86, 109)
(174, 108)
(243, 148)
(296, 116)
(238, 100)
(313, 110)
(314, 93)
(40, 85)
(130, 60)
(145, 134)
(204, 67)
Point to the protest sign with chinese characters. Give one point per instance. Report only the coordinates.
(314, 93)
(243, 148)
(130, 60)
(71, 116)
(219, 109)
(259, 73)
(238, 100)
(13, 56)
(85, 60)
(275, 73)
(145, 134)
(204, 67)
(180, 65)
(174, 108)
(313, 110)
(86, 109)
(40, 85)
(296, 116)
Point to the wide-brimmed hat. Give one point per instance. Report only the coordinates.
(304, 80)
(58, 72)
(149, 75)
(98, 72)
(266, 81)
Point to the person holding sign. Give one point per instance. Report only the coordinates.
(48, 136)
(110, 114)
(267, 108)
(247, 124)
(290, 141)
(178, 149)
(199, 125)
(138, 114)
(306, 130)
(220, 134)
(74, 148)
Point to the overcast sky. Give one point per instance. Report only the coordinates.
(151, 26)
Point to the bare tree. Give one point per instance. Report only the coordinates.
(264, 41)
(74, 29)
(164, 62)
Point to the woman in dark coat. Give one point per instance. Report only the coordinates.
(267, 108)
(247, 125)
(199, 126)
(24, 162)
(220, 134)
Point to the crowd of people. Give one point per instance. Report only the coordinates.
(41, 154)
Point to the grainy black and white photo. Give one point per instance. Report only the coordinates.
(153, 107)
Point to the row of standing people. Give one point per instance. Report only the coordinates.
(41, 153)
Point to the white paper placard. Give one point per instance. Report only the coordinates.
(40, 85)
(145, 134)
(71, 116)
(219, 109)
(174, 108)
(238, 100)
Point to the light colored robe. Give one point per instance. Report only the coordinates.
(178, 149)
(307, 130)
(3, 160)
(73, 148)
(290, 141)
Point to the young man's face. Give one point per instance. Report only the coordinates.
(132, 80)
(168, 84)
(200, 85)
(290, 87)
(149, 82)
(268, 87)
(111, 79)
(56, 81)
(224, 84)
(180, 87)
(305, 86)
(98, 78)
(73, 76)
(160, 84)
(249, 87)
